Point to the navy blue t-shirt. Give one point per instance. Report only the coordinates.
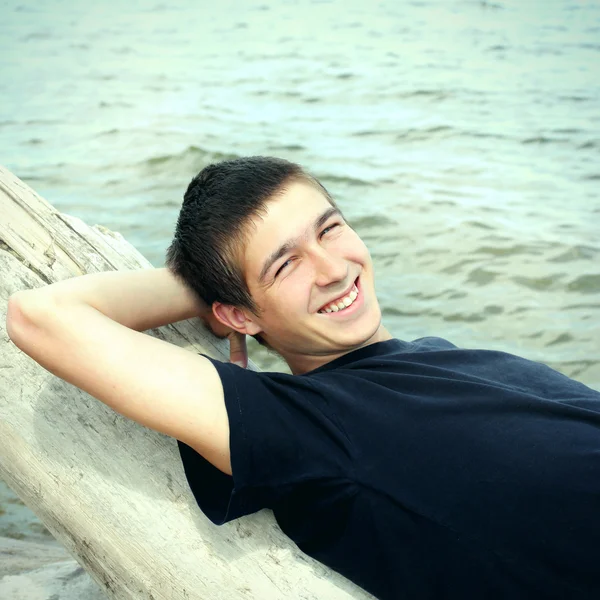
(420, 470)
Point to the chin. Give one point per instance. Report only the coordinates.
(356, 339)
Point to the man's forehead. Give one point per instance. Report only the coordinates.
(299, 192)
(292, 208)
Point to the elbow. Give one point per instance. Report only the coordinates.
(14, 316)
(23, 310)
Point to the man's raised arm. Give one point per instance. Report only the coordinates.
(86, 330)
(141, 300)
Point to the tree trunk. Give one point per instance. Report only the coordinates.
(112, 492)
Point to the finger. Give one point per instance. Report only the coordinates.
(238, 353)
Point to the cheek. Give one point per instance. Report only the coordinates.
(292, 296)
(353, 247)
(286, 299)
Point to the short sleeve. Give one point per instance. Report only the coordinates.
(281, 433)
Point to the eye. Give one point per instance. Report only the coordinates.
(329, 228)
(282, 267)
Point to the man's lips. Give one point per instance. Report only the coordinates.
(341, 296)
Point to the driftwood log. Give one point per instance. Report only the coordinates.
(112, 492)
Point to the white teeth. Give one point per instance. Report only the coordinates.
(343, 303)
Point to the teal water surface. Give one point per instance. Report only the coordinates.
(461, 138)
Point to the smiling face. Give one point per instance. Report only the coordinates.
(312, 278)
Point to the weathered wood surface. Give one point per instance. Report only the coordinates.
(112, 492)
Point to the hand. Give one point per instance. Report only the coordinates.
(238, 352)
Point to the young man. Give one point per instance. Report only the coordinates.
(417, 469)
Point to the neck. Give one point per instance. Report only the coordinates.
(303, 363)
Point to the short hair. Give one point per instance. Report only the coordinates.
(211, 229)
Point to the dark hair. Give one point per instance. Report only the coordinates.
(211, 227)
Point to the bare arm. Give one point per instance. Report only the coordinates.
(140, 300)
(86, 330)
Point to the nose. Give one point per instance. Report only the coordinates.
(329, 268)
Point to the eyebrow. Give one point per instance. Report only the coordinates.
(291, 243)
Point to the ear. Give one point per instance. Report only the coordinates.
(235, 318)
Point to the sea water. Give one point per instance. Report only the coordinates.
(461, 139)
